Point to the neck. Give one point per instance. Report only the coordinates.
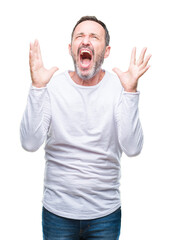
(90, 82)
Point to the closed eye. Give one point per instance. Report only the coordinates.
(94, 36)
(80, 36)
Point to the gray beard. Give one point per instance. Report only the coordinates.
(96, 68)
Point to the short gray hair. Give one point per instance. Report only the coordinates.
(93, 18)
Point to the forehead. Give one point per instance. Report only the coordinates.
(88, 27)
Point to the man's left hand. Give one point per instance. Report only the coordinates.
(129, 79)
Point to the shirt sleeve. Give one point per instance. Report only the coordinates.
(130, 132)
(36, 119)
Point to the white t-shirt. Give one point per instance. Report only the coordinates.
(86, 130)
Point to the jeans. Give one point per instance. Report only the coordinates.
(59, 228)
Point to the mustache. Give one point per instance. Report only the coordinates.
(87, 47)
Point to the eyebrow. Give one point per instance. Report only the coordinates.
(91, 34)
(95, 34)
(81, 33)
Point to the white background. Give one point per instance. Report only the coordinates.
(146, 179)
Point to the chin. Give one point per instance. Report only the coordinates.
(86, 77)
(88, 74)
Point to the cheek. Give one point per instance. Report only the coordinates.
(97, 52)
(75, 45)
(74, 54)
(74, 50)
(98, 47)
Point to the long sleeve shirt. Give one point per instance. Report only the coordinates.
(85, 129)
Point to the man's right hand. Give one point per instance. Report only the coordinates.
(40, 76)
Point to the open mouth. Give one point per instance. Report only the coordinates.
(86, 57)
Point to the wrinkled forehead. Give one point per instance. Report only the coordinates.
(89, 27)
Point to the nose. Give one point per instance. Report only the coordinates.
(86, 40)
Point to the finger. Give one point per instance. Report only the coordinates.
(145, 62)
(144, 70)
(31, 46)
(30, 57)
(141, 58)
(53, 70)
(34, 54)
(31, 54)
(133, 56)
(37, 53)
(36, 48)
(117, 71)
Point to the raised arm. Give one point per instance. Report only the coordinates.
(127, 113)
(37, 116)
(39, 74)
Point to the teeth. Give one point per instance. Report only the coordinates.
(85, 51)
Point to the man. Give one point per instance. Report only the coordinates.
(88, 118)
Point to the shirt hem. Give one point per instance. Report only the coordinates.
(87, 216)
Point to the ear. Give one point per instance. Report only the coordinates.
(107, 51)
(69, 48)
